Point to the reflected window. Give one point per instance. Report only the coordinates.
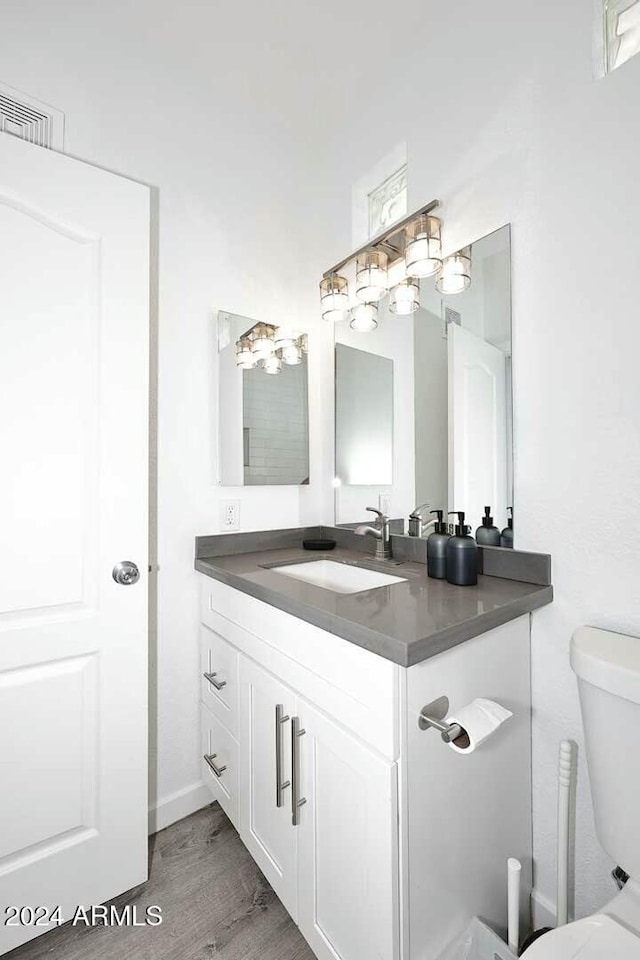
(622, 32)
(388, 202)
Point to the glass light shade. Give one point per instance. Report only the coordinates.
(262, 342)
(292, 354)
(371, 276)
(455, 275)
(285, 337)
(405, 297)
(272, 364)
(364, 317)
(244, 357)
(334, 297)
(423, 249)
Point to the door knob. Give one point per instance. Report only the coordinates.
(125, 573)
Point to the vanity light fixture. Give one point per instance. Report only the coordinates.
(423, 249)
(455, 275)
(244, 357)
(404, 298)
(334, 297)
(371, 276)
(408, 251)
(364, 317)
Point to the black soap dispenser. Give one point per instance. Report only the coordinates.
(462, 555)
(437, 548)
(506, 537)
(487, 535)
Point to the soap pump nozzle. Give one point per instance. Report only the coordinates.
(440, 524)
(510, 519)
(487, 520)
(461, 528)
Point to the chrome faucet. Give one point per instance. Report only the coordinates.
(418, 525)
(380, 532)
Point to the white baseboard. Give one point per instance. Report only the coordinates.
(178, 805)
(543, 910)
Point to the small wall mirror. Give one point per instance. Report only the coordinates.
(263, 435)
(424, 401)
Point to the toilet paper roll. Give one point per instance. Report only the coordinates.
(479, 720)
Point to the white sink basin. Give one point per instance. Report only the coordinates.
(339, 577)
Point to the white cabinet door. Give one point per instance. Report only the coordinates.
(347, 844)
(266, 708)
(74, 328)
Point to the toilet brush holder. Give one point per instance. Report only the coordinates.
(478, 942)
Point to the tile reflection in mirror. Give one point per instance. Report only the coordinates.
(263, 417)
(450, 407)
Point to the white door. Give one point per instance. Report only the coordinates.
(266, 708)
(477, 427)
(74, 317)
(347, 844)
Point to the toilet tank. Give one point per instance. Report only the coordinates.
(608, 669)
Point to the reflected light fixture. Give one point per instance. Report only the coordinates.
(269, 347)
(244, 357)
(455, 275)
(405, 297)
(334, 297)
(272, 364)
(364, 317)
(262, 340)
(371, 276)
(292, 346)
(423, 250)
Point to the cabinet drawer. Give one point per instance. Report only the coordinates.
(222, 751)
(219, 678)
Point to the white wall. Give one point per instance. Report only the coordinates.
(255, 121)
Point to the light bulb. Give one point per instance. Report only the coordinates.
(371, 276)
(364, 317)
(405, 297)
(423, 249)
(334, 297)
(455, 275)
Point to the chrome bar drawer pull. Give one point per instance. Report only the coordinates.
(281, 785)
(211, 677)
(296, 800)
(209, 758)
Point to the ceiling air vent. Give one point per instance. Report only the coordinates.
(30, 119)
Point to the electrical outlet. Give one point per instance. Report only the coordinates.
(230, 514)
(384, 503)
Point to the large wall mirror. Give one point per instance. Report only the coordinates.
(263, 434)
(424, 401)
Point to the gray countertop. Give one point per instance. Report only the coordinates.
(405, 622)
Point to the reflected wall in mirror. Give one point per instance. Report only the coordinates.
(263, 414)
(451, 403)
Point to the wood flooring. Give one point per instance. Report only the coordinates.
(215, 903)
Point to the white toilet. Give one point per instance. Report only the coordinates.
(608, 669)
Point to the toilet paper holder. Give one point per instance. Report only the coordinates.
(434, 714)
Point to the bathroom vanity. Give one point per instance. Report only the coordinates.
(379, 839)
